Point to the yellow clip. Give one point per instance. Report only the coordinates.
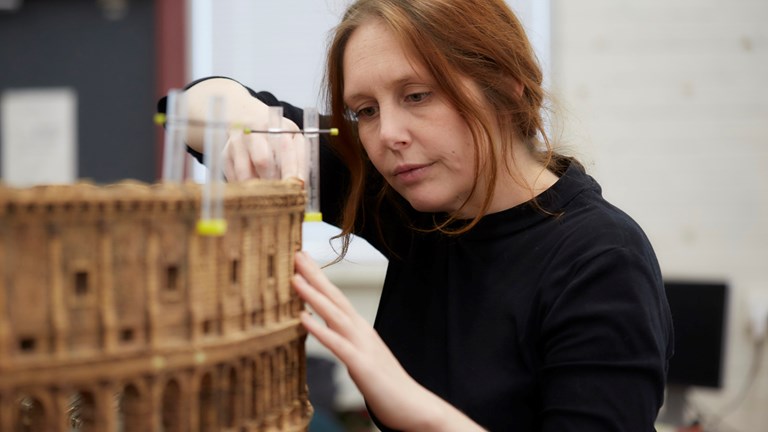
(159, 118)
(313, 217)
(212, 227)
(334, 131)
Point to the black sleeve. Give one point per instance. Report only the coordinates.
(606, 344)
(334, 176)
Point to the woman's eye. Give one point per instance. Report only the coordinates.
(365, 112)
(418, 97)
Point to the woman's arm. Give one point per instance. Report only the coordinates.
(241, 107)
(242, 152)
(246, 156)
(606, 339)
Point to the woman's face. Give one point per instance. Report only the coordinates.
(415, 138)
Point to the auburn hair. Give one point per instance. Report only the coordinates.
(479, 39)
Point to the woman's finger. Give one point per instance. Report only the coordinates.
(236, 152)
(339, 345)
(261, 156)
(291, 156)
(314, 275)
(326, 309)
(289, 151)
(229, 167)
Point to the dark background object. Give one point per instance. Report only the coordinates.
(118, 65)
(109, 63)
(699, 317)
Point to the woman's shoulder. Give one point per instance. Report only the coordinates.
(589, 215)
(598, 221)
(591, 234)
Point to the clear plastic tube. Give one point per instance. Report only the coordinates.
(174, 148)
(275, 129)
(312, 165)
(212, 222)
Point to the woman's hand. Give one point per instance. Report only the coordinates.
(397, 399)
(265, 156)
(247, 156)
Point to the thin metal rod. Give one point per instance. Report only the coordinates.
(161, 119)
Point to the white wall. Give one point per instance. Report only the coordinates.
(273, 45)
(667, 102)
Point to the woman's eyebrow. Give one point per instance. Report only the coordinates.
(398, 82)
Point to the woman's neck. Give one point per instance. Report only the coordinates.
(520, 180)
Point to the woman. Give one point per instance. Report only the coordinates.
(516, 297)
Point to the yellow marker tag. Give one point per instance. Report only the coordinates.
(313, 217)
(334, 131)
(212, 227)
(159, 118)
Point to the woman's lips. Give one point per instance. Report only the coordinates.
(411, 173)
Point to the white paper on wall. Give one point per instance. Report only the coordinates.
(39, 136)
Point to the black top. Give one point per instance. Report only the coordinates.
(531, 322)
(528, 322)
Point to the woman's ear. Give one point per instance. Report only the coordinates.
(518, 86)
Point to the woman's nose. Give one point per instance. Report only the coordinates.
(393, 128)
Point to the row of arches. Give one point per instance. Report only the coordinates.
(128, 282)
(259, 392)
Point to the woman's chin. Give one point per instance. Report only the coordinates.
(427, 206)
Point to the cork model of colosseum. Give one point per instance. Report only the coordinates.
(115, 315)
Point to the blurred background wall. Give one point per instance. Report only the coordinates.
(666, 101)
(107, 60)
